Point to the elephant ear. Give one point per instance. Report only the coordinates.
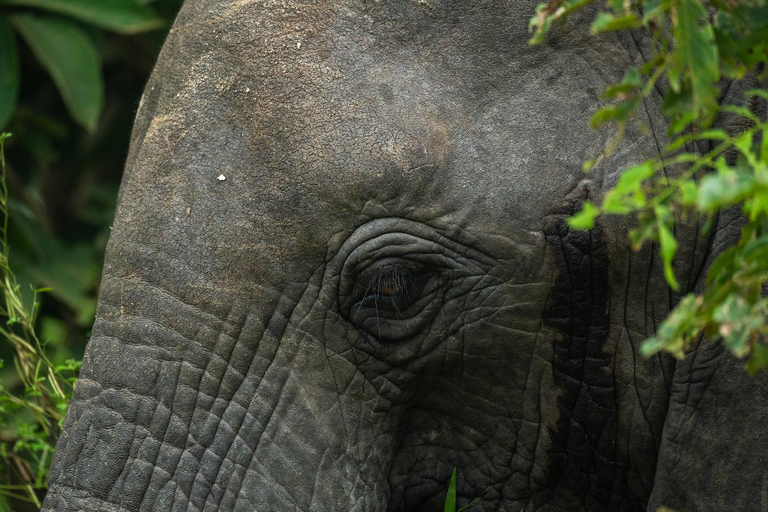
(713, 453)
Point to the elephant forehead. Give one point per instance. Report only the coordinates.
(277, 135)
(393, 128)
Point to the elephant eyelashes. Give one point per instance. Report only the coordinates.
(389, 287)
(389, 299)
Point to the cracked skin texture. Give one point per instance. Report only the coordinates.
(246, 355)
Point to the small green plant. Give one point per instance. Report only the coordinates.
(695, 44)
(450, 497)
(31, 409)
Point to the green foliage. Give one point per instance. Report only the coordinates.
(60, 36)
(450, 497)
(696, 43)
(70, 57)
(30, 417)
(122, 16)
(9, 72)
(63, 180)
(693, 51)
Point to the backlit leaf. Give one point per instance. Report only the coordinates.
(695, 55)
(668, 245)
(9, 72)
(585, 219)
(631, 179)
(605, 22)
(729, 186)
(688, 192)
(71, 58)
(124, 16)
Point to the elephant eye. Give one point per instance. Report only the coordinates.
(390, 286)
(389, 299)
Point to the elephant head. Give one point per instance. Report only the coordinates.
(340, 268)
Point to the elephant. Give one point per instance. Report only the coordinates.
(341, 268)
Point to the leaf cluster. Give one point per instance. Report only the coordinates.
(696, 44)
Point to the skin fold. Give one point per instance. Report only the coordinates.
(384, 288)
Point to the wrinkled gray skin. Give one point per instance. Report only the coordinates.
(383, 288)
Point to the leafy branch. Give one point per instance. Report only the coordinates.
(695, 44)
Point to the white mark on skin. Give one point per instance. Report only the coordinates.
(298, 45)
(189, 210)
(221, 177)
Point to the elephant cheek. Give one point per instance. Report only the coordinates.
(191, 398)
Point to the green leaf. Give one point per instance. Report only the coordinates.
(758, 360)
(712, 134)
(757, 92)
(722, 266)
(764, 147)
(71, 58)
(123, 16)
(605, 22)
(619, 113)
(668, 244)
(632, 178)
(688, 193)
(695, 56)
(756, 250)
(647, 231)
(9, 72)
(604, 116)
(674, 334)
(466, 507)
(743, 143)
(631, 81)
(549, 12)
(585, 219)
(678, 107)
(628, 194)
(728, 187)
(739, 321)
(741, 111)
(450, 497)
(757, 205)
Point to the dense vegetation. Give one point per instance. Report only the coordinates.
(700, 49)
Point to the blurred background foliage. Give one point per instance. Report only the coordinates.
(71, 76)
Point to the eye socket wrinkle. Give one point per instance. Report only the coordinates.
(394, 276)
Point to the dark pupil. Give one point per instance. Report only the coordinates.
(390, 282)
